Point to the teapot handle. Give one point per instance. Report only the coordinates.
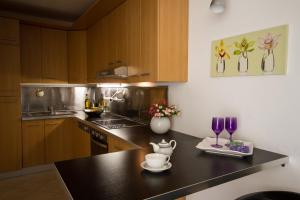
(173, 147)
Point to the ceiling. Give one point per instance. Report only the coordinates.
(62, 10)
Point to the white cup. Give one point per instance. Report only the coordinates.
(156, 160)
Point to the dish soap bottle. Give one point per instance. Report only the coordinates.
(87, 102)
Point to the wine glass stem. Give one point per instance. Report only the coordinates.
(217, 140)
(230, 138)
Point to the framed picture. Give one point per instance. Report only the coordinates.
(262, 52)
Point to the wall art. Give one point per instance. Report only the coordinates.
(262, 52)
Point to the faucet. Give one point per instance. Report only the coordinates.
(51, 109)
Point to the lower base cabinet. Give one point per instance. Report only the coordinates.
(10, 134)
(48, 141)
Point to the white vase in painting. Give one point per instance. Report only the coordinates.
(268, 61)
(221, 65)
(243, 63)
(160, 125)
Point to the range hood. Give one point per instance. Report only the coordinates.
(118, 72)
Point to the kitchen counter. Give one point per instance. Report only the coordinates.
(119, 175)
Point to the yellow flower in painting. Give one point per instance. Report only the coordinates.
(221, 51)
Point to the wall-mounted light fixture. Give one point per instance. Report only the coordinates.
(217, 6)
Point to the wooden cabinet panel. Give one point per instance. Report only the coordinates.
(81, 145)
(33, 143)
(54, 55)
(57, 144)
(173, 40)
(149, 40)
(77, 56)
(95, 51)
(31, 54)
(9, 31)
(64, 140)
(133, 18)
(10, 134)
(10, 70)
(115, 144)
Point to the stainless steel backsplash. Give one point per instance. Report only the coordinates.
(130, 101)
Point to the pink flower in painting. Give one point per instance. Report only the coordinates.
(268, 42)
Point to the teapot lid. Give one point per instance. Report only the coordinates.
(163, 143)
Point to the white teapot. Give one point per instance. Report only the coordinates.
(164, 147)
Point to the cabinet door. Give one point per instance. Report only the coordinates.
(121, 34)
(77, 52)
(133, 17)
(95, 51)
(54, 55)
(81, 145)
(33, 143)
(9, 31)
(10, 70)
(31, 54)
(10, 134)
(149, 40)
(58, 147)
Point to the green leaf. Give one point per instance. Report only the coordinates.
(250, 50)
(237, 52)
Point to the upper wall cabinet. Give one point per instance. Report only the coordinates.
(164, 40)
(31, 54)
(148, 36)
(77, 53)
(54, 55)
(9, 31)
(43, 55)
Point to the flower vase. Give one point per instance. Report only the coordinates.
(160, 125)
(268, 61)
(243, 63)
(221, 65)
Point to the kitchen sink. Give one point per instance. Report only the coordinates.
(48, 113)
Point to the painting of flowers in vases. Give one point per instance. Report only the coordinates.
(262, 52)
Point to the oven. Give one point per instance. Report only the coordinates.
(99, 143)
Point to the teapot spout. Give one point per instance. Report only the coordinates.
(155, 147)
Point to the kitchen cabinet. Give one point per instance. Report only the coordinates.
(163, 42)
(54, 55)
(77, 56)
(43, 55)
(10, 134)
(116, 144)
(31, 54)
(33, 143)
(64, 140)
(10, 70)
(9, 31)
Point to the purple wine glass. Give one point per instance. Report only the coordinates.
(231, 126)
(217, 126)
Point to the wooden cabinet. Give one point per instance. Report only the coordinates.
(64, 140)
(31, 54)
(43, 55)
(164, 40)
(10, 134)
(9, 31)
(77, 56)
(54, 55)
(115, 144)
(10, 70)
(33, 142)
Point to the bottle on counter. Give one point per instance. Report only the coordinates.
(87, 102)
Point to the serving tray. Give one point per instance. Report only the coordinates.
(206, 143)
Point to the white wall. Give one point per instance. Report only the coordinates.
(267, 106)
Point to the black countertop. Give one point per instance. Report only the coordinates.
(119, 176)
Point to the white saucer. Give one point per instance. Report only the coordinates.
(163, 168)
